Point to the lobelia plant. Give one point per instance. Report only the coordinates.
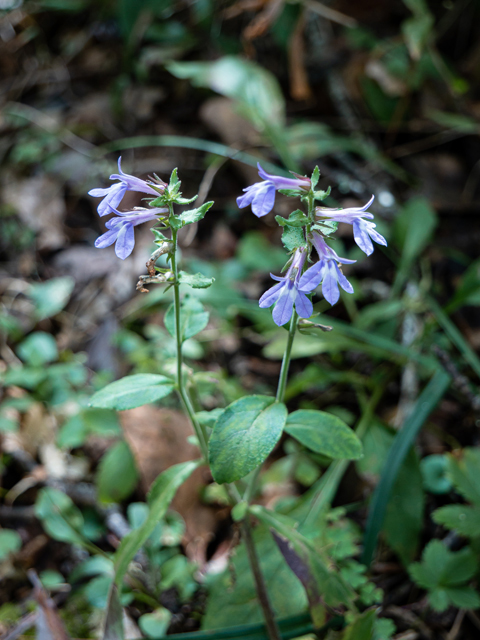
(246, 431)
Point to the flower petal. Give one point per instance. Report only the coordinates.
(106, 239)
(330, 285)
(125, 241)
(342, 281)
(303, 305)
(264, 199)
(362, 238)
(312, 277)
(271, 296)
(284, 307)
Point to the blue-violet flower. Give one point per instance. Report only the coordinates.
(121, 229)
(113, 195)
(261, 195)
(326, 270)
(286, 294)
(363, 230)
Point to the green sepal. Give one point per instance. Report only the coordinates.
(196, 281)
(174, 183)
(159, 237)
(161, 201)
(294, 193)
(321, 195)
(194, 215)
(185, 200)
(239, 511)
(293, 238)
(175, 223)
(327, 227)
(315, 177)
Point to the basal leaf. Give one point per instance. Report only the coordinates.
(463, 519)
(161, 494)
(244, 435)
(324, 433)
(132, 391)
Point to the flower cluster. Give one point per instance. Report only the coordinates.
(120, 228)
(291, 290)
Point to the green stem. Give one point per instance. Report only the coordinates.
(182, 391)
(282, 381)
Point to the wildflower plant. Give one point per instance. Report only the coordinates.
(238, 441)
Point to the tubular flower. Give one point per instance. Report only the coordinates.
(363, 230)
(113, 195)
(286, 294)
(326, 270)
(120, 230)
(261, 195)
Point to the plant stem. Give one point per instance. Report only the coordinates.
(282, 381)
(260, 586)
(182, 391)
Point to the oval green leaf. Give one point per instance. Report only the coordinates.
(244, 435)
(324, 433)
(132, 391)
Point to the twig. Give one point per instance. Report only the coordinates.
(330, 14)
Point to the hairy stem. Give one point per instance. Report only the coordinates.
(282, 381)
(181, 389)
(260, 586)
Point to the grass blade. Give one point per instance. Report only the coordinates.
(405, 438)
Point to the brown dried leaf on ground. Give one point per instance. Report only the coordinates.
(158, 439)
(40, 204)
(299, 85)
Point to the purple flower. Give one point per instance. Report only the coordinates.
(326, 270)
(121, 230)
(286, 293)
(113, 195)
(261, 195)
(363, 230)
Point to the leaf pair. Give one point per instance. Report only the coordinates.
(248, 430)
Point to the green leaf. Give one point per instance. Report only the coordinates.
(255, 88)
(327, 581)
(315, 177)
(361, 628)
(194, 215)
(244, 435)
(296, 219)
(38, 349)
(324, 433)
(155, 624)
(413, 230)
(10, 542)
(161, 494)
(51, 297)
(463, 597)
(401, 445)
(255, 252)
(233, 599)
(193, 318)
(113, 628)
(132, 391)
(293, 237)
(463, 519)
(416, 31)
(117, 474)
(61, 519)
(434, 470)
(160, 238)
(464, 470)
(197, 281)
(441, 567)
